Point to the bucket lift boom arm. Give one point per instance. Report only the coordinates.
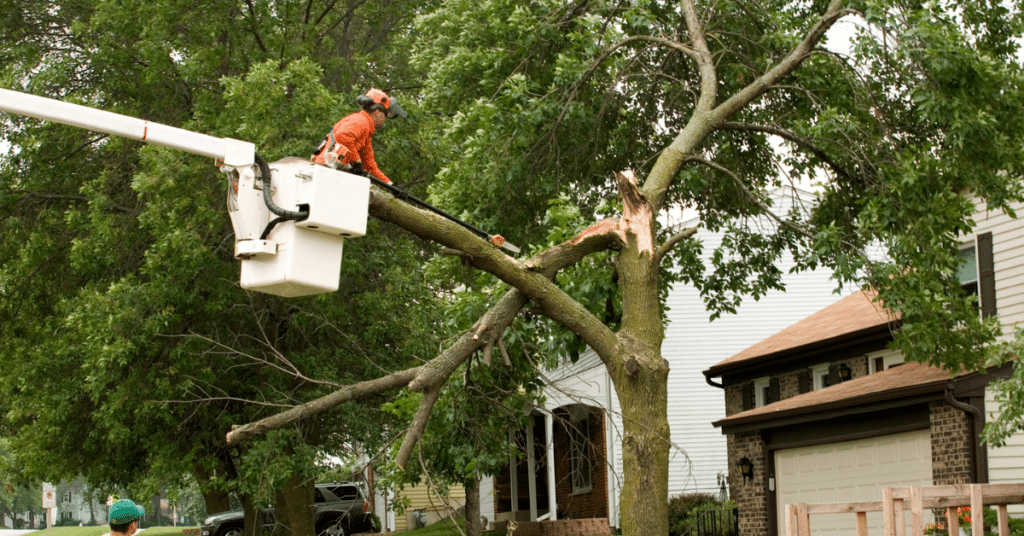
(225, 151)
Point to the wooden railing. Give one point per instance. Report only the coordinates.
(895, 502)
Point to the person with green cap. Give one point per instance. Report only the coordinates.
(124, 517)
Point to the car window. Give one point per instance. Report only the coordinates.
(318, 496)
(345, 493)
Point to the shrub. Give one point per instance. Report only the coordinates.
(683, 510)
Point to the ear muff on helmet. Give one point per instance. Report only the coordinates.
(376, 99)
(364, 102)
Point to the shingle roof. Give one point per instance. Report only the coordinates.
(895, 383)
(845, 319)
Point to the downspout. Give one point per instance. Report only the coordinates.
(712, 383)
(976, 417)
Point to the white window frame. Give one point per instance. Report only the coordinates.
(973, 247)
(818, 373)
(889, 359)
(760, 386)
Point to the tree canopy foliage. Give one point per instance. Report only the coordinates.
(129, 350)
(116, 273)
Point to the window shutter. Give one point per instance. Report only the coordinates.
(804, 381)
(774, 390)
(748, 396)
(832, 378)
(986, 275)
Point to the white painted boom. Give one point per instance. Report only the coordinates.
(229, 151)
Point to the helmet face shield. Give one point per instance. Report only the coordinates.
(394, 110)
(376, 99)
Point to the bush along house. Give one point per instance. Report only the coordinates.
(823, 411)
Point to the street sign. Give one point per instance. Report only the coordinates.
(49, 496)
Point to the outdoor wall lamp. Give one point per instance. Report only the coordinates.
(746, 468)
(844, 372)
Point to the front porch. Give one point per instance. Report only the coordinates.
(560, 474)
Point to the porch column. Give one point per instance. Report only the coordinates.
(531, 463)
(549, 433)
(513, 476)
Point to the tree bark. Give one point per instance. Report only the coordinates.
(293, 508)
(474, 525)
(253, 522)
(640, 373)
(216, 500)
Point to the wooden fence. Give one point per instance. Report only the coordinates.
(895, 502)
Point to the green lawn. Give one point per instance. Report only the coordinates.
(437, 529)
(103, 529)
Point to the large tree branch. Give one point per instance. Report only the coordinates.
(667, 166)
(703, 57)
(705, 120)
(346, 394)
(786, 66)
(492, 324)
(415, 430)
(481, 254)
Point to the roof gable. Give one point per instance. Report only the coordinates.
(897, 383)
(846, 319)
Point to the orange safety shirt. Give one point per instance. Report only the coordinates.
(354, 134)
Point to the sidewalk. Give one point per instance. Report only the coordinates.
(8, 532)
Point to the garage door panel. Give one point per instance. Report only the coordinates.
(850, 471)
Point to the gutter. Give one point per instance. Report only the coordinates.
(976, 417)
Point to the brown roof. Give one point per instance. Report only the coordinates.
(899, 382)
(845, 319)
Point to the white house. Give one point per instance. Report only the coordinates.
(582, 393)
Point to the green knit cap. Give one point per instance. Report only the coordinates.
(125, 511)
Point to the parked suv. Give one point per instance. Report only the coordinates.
(339, 509)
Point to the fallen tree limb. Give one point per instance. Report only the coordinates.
(495, 321)
(348, 393)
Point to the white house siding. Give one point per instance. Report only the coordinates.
(424, 497)
(1008, 253)
(1006, 463)
(693, 344)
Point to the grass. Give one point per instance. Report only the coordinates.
(103, 529)
(437, 529)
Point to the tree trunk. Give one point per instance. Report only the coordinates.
(253, 518)
(640, 375)
(474, 526)
(216, 500)
(293, 508)
(645, 454)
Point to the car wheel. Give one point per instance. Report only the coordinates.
(231, 531)
(335, 528)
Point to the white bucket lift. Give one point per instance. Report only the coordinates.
(298, 258)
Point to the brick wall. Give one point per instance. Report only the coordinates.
(951, 445)
(751, 494)
(593, 503)
(733, 399)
